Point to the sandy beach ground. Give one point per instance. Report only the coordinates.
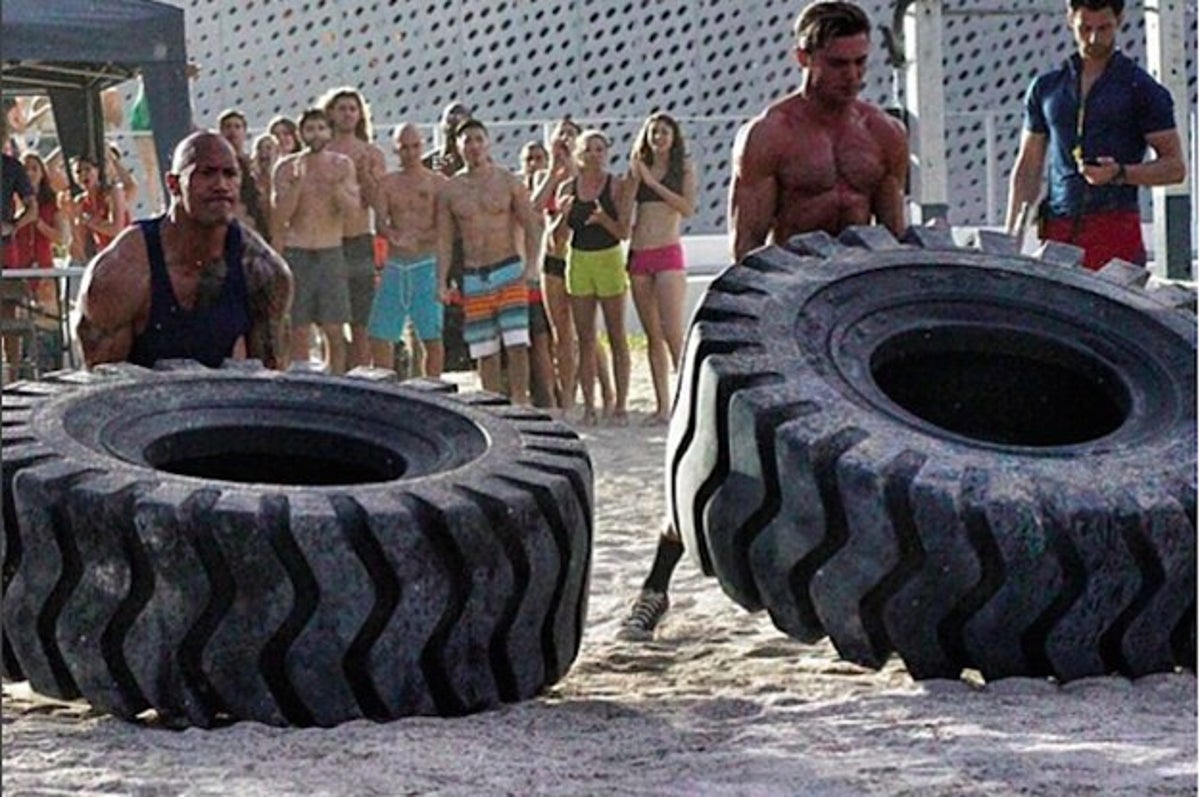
(720, 704)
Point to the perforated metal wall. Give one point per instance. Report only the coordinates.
(712, 63)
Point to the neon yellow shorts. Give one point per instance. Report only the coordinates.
(599, 273)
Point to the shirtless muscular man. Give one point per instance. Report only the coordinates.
(192, 283)
(818, 159)
(315, 191)
(486, 205)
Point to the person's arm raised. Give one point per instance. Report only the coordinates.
(369, 171)
(345, 188)
(116, 209)
(285, 185)
(684, 203)
(560, 230)
(545, 184)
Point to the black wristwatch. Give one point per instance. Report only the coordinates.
(1119, 177)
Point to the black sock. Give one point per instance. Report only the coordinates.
(665, 559)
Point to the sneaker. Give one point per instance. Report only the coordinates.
(645, 615)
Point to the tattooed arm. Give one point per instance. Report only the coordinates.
(113, 299)
(269, 289)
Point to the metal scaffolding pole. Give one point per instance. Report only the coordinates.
(1165, 31)
(925, 100)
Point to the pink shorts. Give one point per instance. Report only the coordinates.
(652, 261)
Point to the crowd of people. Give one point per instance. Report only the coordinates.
(376, 253)
(71, 212)
(521, 266)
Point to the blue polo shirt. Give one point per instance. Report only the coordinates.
(1124, 105)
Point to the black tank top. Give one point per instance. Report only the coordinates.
(206, 334)
(591, 237)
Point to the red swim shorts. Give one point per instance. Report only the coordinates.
(652, 261)
(1102, 236)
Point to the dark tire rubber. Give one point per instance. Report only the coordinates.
(296, 549)
(971, 458)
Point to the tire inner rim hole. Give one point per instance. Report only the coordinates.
(1001, 385)
(274, 455)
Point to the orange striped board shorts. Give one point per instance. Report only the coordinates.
(495, 307)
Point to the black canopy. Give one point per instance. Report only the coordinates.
(71, 50)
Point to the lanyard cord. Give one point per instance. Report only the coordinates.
(1077, 151)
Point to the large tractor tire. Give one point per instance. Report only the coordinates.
(971, 458)
(294, 549)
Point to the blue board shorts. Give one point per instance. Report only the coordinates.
(407, 289)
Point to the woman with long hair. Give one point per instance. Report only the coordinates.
(263, 157)
(32, 246)
(594, 207)
(287, 134)
(663, 182)
(35, 242)
(534, 160)
(562, 168)
(101, 210)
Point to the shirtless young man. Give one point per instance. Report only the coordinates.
(405, 214)
(485, 204)
(818, 159)
(315, 191)
(350, 119)
(192, 283)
